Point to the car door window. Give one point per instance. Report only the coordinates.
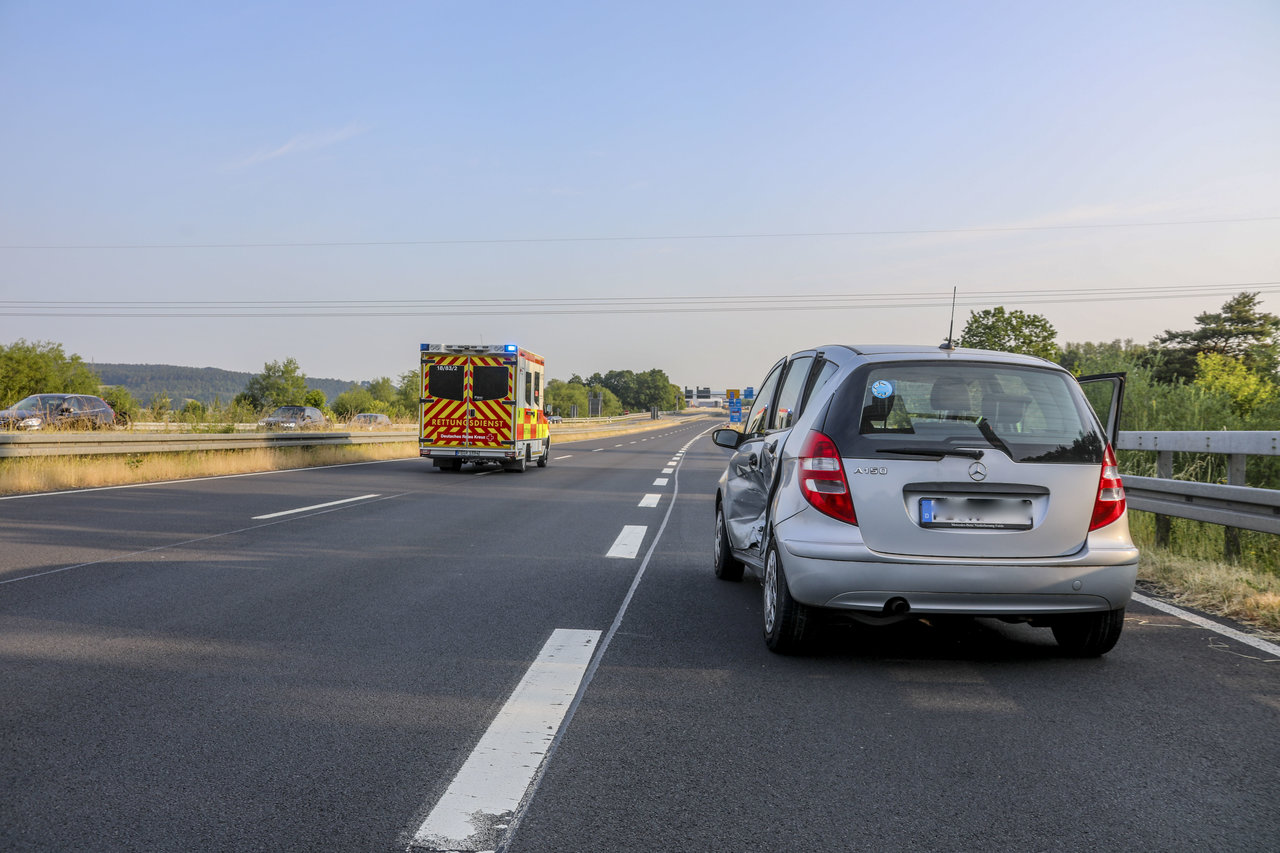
(788, 408)
(758, 417)
(826, 369)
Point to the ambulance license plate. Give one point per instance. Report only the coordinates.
(976, 513)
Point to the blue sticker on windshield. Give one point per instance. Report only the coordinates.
(881, 388)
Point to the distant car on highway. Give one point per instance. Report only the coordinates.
(295, 417)
(370, 420)
(555, 419)
(66, 411)
(880, 483)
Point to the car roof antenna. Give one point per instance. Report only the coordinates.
(949, 343)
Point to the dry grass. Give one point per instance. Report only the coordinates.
(1192, 572)
(1235, 591)
(25, 475)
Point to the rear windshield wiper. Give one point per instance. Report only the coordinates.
(990, 435)
(938, 452)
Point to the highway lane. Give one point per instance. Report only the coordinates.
(182, 675)
(966, 736)
(204, 680)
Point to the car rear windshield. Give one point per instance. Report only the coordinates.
(1031, 414)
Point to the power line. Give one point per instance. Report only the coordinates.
(628, 239)
(620, 305)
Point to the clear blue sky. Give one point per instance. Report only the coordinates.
(357, 163)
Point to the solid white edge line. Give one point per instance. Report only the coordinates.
(475, 809)
(309, 508)
(628, 543)
(1239, 636)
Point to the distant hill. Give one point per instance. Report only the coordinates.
(205, 384)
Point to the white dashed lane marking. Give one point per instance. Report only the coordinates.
(497, 775)
(315, 506)
(650, 500)
(627, 545)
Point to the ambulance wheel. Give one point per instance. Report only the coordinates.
(518, 466)
(546, 455)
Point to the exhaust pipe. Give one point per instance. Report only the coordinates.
(897, 607)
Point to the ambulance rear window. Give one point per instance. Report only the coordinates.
(444, 381)
(490, 383)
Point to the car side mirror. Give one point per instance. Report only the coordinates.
(726, 437)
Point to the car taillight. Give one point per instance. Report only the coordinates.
(822, 480)
(1109, 504)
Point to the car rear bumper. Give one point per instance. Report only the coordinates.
(851, 577)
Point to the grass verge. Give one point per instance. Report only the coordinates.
(24, 475)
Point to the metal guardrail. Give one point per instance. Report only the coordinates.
(1230, 506)
(1233, 504)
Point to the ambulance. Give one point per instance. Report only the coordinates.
(482, 403)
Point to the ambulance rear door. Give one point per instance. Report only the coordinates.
(466, 401)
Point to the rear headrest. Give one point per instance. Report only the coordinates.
(949, 395)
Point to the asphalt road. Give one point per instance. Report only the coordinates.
(201, 666)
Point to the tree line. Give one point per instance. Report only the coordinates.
(44, 367)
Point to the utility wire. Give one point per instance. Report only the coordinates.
(498, 306)
(627, 239)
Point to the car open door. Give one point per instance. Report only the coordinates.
(1105, 393)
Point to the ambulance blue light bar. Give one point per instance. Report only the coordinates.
(512, 348)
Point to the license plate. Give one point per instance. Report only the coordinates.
(976, 513)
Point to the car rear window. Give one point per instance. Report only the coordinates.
(1032, 414)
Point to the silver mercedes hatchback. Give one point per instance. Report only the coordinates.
(885, 483)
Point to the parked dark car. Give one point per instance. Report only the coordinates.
(295, 417)
(68, 411)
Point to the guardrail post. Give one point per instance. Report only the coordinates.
(1164, 523)
(1231, 535)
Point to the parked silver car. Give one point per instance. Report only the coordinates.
(885, 483)
(295, 417)
(370, 420)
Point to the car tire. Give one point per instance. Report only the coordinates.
(546, 454)
(518, 466)
(788, 624)
(727, 568)
(1089, 634)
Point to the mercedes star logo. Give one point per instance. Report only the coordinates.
(978, 471)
